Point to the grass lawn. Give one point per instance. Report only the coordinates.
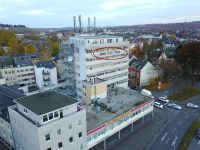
(187, 139)
(184, 94)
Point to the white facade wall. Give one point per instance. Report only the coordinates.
(40, 77)
(29, 136)
(5, 132)
(25, 75)
(88, 66)
(147, 73)
(9, 74)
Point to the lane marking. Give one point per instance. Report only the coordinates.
(167, 141)
(164, 136)
(199, 142)
(174, 141)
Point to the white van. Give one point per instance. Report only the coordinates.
(146, 93)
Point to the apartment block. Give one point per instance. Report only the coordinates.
(48, 121)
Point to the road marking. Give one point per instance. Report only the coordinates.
(174, 141)
(164, 136)
(199, 142)
(167, 141)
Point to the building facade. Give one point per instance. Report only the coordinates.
(141, 72)
(48, 121)
(46, 74)
(104, 57)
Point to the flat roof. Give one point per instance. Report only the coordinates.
(94, 36)
(96, 81)
(124, 101)
(7, 95)
(45, 102)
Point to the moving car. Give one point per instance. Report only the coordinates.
(198, 134)
(191, 105)
(158, 105)
(175, 106)
(163, 99)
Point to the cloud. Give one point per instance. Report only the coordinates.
(36, 12)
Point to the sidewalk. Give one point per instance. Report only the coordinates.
(144, 136)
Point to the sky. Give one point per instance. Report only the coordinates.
(59, 13)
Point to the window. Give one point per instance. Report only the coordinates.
(55, 114)
(48, 148)
(60, 145)
(116, 40)
(70, 139)
(59, 131)
(70, 126)
(109, 40)
(81, 147)
(45, 118)
(25, 110)
(79, 122)
(47, 137)
(50, 116)
(80, 134)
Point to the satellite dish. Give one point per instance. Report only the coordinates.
(70, 58)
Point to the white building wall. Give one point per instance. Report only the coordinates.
(22, 129)
(84, 65)
(147, 73)
(5, 132)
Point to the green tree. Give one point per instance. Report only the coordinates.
(30, 49)
(14, 46)
(5, 36)
(1, 51)
(188, 56)
(55, 48)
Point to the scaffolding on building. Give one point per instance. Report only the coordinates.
(68, 69)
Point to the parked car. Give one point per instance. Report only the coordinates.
(191, 105)
(158, 105)
(175, 106)
(163, 99)
(147, 93)
(198, 134)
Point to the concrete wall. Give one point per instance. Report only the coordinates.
(147, 73)
(5, 132)
(66, 133)
(25, 133)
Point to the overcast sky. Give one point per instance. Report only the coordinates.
(59, 13)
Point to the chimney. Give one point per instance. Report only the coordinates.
(89, 24)
(74, 24)
(79, 18)
(94, 22)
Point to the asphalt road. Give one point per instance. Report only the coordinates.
(179, 122)
(3, 147)
(195, 145)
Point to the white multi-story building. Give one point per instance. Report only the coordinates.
(48, 121)
(46, 74)
(24, 70)
(8, 70)
(100, 56)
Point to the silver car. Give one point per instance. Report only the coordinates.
(191, 105)
(175, 106)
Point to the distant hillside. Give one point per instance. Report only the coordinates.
(168, 26)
